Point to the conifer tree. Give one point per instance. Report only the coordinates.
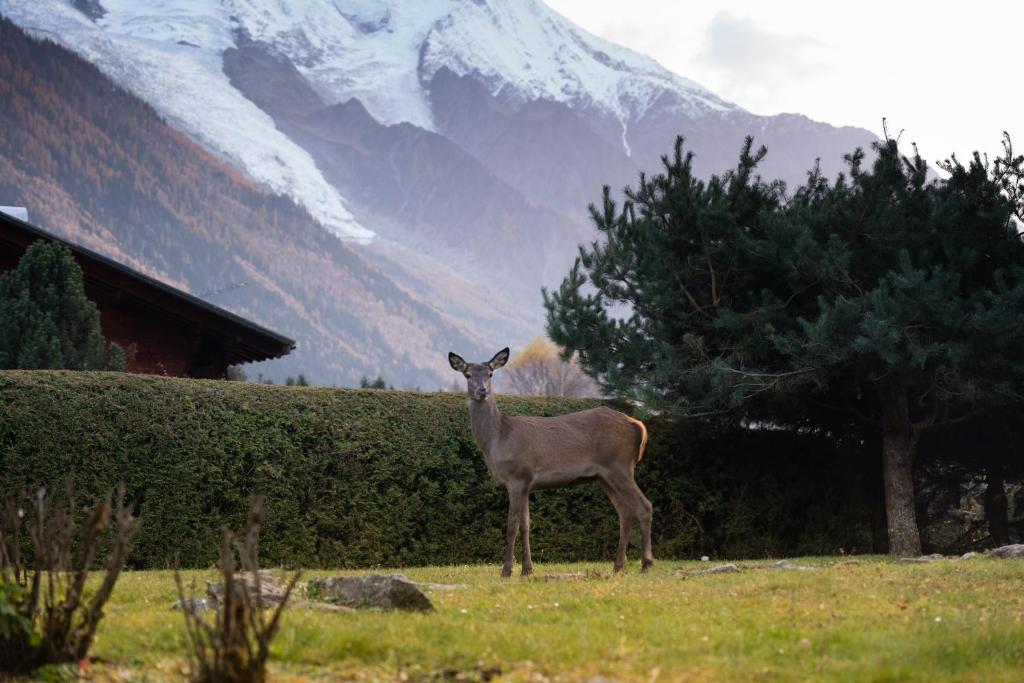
(881, 301)
(47, 320)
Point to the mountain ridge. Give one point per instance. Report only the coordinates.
(103, 170)
(453, 146)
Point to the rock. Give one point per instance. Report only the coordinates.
(272, 593)
(729, 568)
(1015, 550)
(786, 565)
(374, 590)
(705, 558)
(967, 556)
(924, 559)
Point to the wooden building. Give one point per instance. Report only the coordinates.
(163, 330)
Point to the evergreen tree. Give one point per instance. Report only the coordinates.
(367, 383)
(47, 320)
(236, 374)
(881, 302)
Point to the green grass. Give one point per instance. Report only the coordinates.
(874, 620)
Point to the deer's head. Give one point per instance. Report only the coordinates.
(478, 375)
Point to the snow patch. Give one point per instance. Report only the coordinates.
(143, 50)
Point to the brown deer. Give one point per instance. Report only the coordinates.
(529, 453)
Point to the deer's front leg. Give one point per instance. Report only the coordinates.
(515, 503)
(524, 523)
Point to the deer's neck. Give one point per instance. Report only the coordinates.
(485, 421)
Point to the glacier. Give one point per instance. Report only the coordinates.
(382, 52)
(168, 53)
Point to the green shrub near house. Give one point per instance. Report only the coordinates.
(360, 478)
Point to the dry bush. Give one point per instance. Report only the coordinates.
(45, 615)
(538, 370)
(236, 646)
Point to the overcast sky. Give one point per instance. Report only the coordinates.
(945, 73)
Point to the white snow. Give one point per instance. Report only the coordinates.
(137, 45)
(383, 52)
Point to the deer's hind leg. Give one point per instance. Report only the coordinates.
(625, 523)
(633, 507)
(645, 511)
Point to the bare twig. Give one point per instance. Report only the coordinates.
(236, 647)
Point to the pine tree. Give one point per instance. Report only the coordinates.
(882, 302)
(48, 322)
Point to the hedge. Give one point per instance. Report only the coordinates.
(361, 478)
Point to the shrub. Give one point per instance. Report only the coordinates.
(45, 615)
(235, 648)
(361, 478)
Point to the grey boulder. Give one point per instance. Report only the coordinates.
(375, 590)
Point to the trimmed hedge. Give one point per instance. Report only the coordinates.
(359, 478)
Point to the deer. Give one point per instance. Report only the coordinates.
(526, 454)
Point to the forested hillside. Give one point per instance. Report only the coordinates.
(98, 166)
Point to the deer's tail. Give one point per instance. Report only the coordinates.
(642, 433)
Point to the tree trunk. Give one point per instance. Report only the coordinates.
(994, 502)
(898, 450)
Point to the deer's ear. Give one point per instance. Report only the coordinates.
(455, 360)
(500, 358)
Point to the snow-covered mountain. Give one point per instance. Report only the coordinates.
(455, 141)
(382, 52)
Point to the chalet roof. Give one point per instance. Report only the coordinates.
(246, 341)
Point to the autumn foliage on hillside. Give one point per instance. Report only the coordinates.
(95, 164)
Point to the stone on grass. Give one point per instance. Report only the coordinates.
(786, 565)
(728, 568)
(924, 559)
(271, 592)
(968, 556)
(1015, 550)
(374, 590)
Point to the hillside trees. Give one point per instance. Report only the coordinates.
(46, 320)
(880, 303)
(103, 170)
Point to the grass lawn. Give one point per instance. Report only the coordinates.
(866, 620)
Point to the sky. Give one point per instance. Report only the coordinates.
(944, 75)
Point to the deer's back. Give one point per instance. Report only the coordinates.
(578, 445)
